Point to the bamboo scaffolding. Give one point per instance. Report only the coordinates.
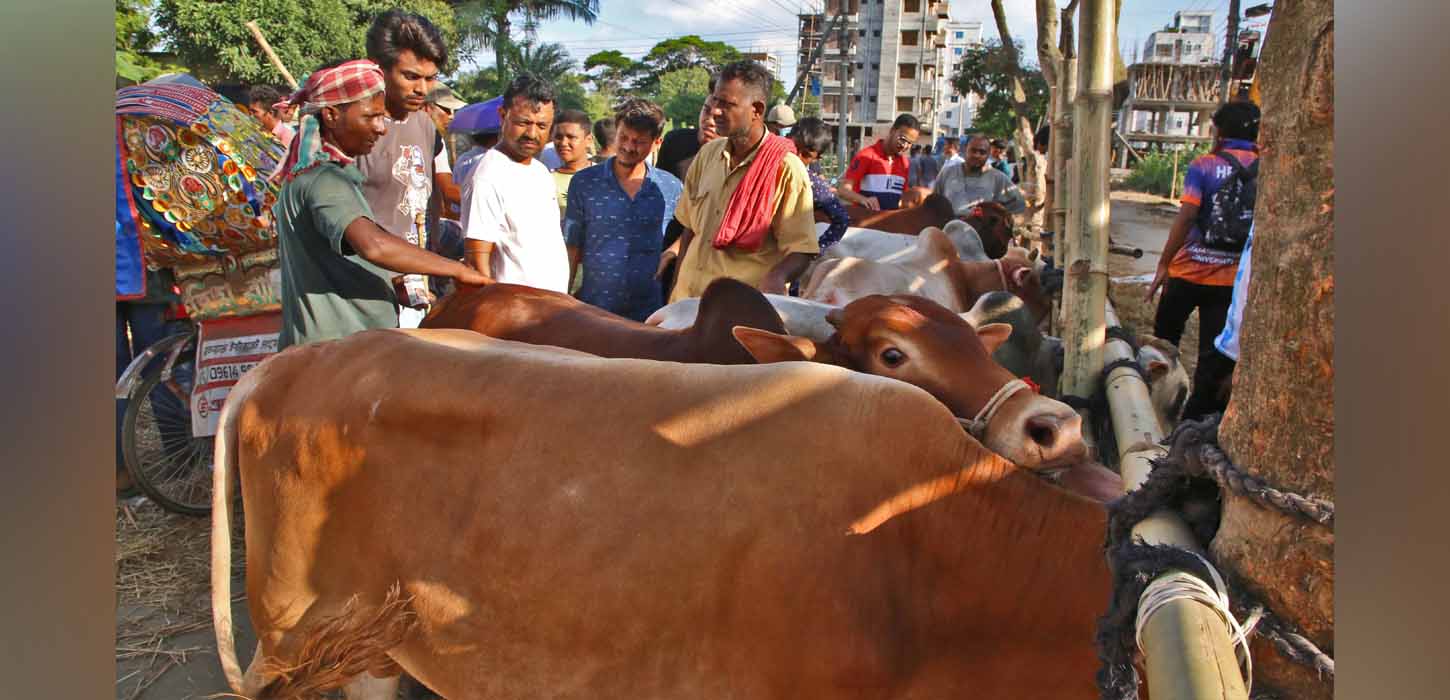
(1189, 655)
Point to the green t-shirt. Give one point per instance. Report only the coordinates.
(328, 291)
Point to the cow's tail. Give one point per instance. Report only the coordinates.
(221, 536)
(336, 650)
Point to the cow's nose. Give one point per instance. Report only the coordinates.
(1058, 437)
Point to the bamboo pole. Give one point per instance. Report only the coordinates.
(1085, 285)
(271, 55)
(1173, 181)
(1188, 651)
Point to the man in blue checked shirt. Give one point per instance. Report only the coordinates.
(616, 215)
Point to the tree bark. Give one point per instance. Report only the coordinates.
(1280, 422)
(1019, 92)
(1050, 59)
(1060, 148)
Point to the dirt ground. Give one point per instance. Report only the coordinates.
(165, 645)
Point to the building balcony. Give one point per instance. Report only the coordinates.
(940, 9)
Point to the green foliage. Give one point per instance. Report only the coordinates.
(477, 85)
(682, 93)
(133, 39)
(678, 54)
(489, 23)
(211, 37)
(611, 71)
(1154, 173)
(985, 71)
(547, 62)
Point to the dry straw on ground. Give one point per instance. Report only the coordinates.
(163, 590)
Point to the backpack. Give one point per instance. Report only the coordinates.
(1230, 211)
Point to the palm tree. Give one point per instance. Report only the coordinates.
(547, 62)
(489, 23)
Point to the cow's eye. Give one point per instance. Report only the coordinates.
(893, 357)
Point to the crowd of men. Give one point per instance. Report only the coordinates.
(625, 216)
(615, 211)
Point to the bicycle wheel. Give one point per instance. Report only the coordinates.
(166, 462)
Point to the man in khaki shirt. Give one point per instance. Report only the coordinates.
(738, 109)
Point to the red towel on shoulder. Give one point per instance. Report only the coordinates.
(748, 215)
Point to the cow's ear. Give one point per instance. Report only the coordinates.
(767, 347)
(1156, 370)
(993, 335)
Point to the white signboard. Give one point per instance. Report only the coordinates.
(228, 348)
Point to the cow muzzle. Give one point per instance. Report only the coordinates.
(1036, 432)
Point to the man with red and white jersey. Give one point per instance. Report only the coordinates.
(878, 174)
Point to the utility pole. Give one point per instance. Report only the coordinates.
(1230, 45)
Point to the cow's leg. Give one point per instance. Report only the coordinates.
(368, 687)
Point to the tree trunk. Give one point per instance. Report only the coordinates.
(1280, 422)
(1019, 93)
(1050, 58)
(1060, 148)
(500, 50)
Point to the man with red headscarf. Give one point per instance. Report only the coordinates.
(337, 262)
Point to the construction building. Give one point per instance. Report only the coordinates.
(879, 60)
(1173, 89)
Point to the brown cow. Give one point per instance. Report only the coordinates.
(942, 354)
(992, 221)
(568, 526)
(542, 317)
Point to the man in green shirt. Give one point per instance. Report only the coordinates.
(338, 264)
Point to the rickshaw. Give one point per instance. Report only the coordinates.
(193, 194)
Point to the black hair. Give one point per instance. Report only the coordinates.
(533, 90)
(1238, 120)
(751, 74)
(999, 143)
(266, 94)
(811, 134)
(915, 149)
(482, 138)
(396, 31)
(907, 120)
(573, 116)
(1042, 138)
(640, 115)
(604, 133)
(950, 141)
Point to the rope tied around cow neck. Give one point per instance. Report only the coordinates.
(1189, 479)
(977, 427)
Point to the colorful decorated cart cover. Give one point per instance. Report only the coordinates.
(192, 183)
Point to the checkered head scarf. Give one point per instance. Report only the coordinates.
(330, 87)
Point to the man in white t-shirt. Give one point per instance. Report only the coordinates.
(511, 223)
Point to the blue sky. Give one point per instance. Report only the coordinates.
(769, 25)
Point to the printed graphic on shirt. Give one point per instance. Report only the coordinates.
(410, 170)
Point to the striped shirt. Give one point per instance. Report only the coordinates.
(1227, 341)
(874, 174)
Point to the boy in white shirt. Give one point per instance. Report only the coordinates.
(511, 223)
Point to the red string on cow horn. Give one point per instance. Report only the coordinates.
(1031, 384)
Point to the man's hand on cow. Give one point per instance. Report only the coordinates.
(871, 203)
(467, 276)
(665, 259)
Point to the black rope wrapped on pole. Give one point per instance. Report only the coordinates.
(1188, 480)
